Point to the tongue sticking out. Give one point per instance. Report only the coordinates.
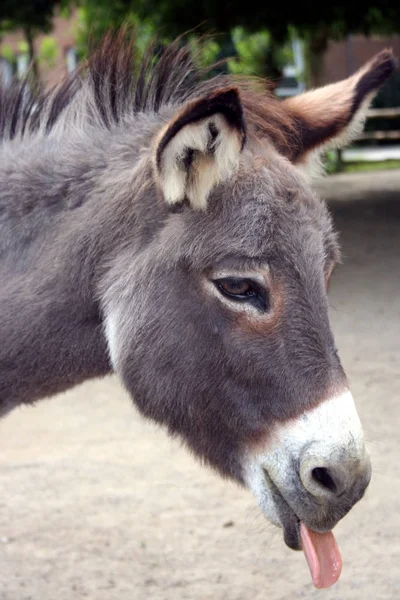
(322, 555)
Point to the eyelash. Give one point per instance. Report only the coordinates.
(254, 293)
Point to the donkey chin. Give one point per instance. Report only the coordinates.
(311, 469)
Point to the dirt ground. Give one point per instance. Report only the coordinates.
(96, 503)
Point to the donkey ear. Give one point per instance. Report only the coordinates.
(200, 147)
(332, 116)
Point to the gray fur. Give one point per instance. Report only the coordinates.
(85, 236)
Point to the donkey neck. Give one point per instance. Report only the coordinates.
(61, 212)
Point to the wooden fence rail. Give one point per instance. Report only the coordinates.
(386, 113)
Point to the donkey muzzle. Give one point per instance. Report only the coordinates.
(327, 475)
(314, 468)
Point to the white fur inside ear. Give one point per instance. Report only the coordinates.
(214, 148)
(312, 165)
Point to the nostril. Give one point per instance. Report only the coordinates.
(322, 476)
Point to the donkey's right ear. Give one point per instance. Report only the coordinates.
(200, 147)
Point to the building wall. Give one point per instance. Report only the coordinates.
(344, 58)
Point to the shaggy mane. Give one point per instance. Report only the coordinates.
(109, 87)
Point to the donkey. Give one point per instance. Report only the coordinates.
(163, 227)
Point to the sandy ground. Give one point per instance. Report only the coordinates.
(96, 503)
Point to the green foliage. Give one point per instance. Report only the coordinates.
(23, 47)
(206, 51)
(354, 167)
(254, 34)
(251, 52)
(256, 51)
(243, 53)
(332, 163)
(95, 19)
(48, 52)
(314, 23)
(8, 54)
(307, 17)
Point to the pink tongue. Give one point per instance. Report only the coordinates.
(322, 555)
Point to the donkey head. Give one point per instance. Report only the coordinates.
(218, 324)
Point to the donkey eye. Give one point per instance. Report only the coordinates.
(241, 289)
(236, 287)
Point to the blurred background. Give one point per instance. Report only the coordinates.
(97, 503)
(295, 47)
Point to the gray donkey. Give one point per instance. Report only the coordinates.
(162, 226)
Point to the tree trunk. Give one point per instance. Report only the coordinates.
(33, 61)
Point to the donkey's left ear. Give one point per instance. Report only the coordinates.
(332, 116)
(200, 147)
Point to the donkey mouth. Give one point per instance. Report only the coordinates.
(289, 520)
(320, 548)
(291, 533)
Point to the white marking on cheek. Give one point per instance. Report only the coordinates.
(110, 331)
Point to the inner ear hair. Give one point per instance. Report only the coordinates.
(200, 147)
